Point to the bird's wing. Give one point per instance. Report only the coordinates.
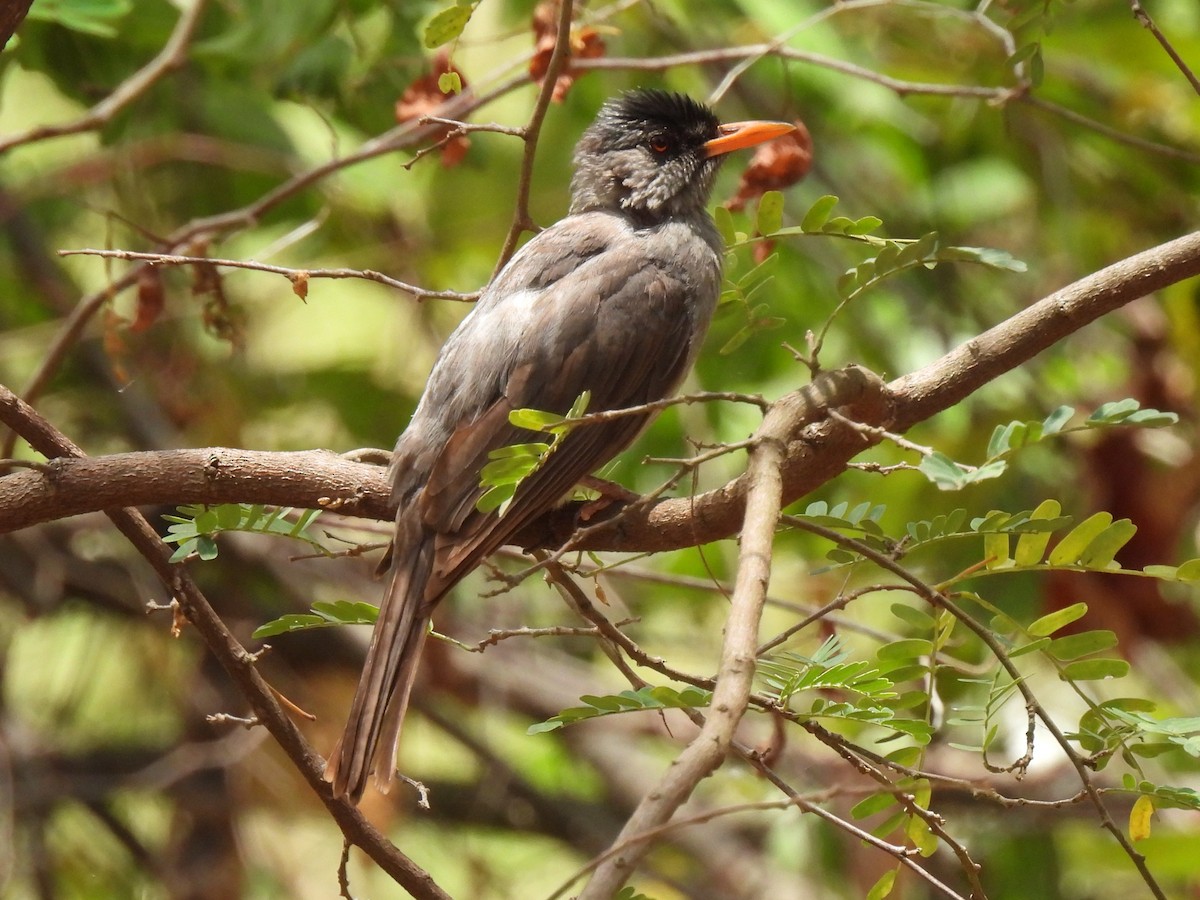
(622, 324)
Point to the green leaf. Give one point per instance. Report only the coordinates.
(885, 259)
(1129, 412)
(1102, 548)
(890, 824)
(1022, 54)
(183, 551)
(1031, 547)
(347, 612)
(943, 471)
(206, 547)
(995, 550)
(1054, 422)
(985, 256)
(872, 804)
(510, 464)
(1001, 439)
(446, 25)
(847, 283)
(1061, 618)
(739, 337)
(94, 17)
(865, 225)
(724, 221)
(1072, 546)
(1029, 648)
(909, 648)
(910, 615)
(1037, 68)
(1189, 571)
(496, 497)
(1074, 646)
(1095, 669)
(770, 213)
(324, 615)
(650, 697)
(817, 215)
(450, 82)
(883, 887)
(535, 419)
(290, 622)
(919, 833)
(919, 250)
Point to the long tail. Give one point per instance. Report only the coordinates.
(369, 742)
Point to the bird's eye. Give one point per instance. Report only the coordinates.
(659, 144)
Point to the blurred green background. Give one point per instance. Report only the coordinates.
(114, 785)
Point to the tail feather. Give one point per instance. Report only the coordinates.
(368, 743)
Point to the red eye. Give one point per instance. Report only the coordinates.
(660, 145)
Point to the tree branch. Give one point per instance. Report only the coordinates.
(819, 447)
(293, 275)
(232, 656)
(171, 57)
(736, 673)
(530, 133)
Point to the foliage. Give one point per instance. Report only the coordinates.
(509, 466)
(1022, 561)
(660, 697)
(195, 529)
(323, 615)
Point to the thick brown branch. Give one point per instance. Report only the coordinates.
(1016, 340)
(313, 479)
(818, 447)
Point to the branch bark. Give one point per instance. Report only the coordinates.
(736, 673)
(818, 447)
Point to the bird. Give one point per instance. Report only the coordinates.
(615, 300)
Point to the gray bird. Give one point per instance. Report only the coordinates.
(614, 299)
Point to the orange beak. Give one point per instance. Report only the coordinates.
(739, 135)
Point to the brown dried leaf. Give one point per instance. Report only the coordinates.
(424, 96)
(300, 285)
(115, 347)
(545, 27)
(776, 165)
(761, 250)
(454, 150)
(586, 43)
(151, 297)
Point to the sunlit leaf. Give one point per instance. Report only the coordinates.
(1052, 622)
(818, 213)
(1139, 818)
(1095, 669)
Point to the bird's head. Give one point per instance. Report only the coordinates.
(654, 154)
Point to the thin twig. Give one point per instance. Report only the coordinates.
(558, 60)
(172, 56)
(293, 275)
(1148, 23)
(735, 675)
(941, 601)
(233, 657)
